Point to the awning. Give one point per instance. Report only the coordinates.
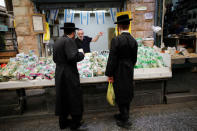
(73, 1)
(54, 4)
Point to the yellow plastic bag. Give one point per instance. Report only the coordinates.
(47, 33)
(110, 94)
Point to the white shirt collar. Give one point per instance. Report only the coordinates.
(69, 37)
(125, 31)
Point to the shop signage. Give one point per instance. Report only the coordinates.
(148, 16)
(38, 22)
(141, 8)
(3, 28)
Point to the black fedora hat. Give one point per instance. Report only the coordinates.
(123, 19)
(69, 25)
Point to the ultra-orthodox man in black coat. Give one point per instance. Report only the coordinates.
(120, 66)
(68, 92)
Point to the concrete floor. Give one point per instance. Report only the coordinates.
(165, 117)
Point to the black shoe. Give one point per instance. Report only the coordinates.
(117, 117)
(81, 128)
(124, 124)
(65, 124)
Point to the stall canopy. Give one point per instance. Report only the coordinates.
(54, 4)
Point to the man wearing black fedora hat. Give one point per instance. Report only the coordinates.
(68, 92)
(120, 69)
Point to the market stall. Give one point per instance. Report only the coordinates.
(182, 50)
(31, 72)
(27, 71)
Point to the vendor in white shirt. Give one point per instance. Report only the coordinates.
(84, 41)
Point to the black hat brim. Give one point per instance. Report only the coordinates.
(123, 21)
(69, 28)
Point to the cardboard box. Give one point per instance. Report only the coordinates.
(148, 43)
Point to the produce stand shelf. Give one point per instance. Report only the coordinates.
(187, 62)
(139, 74)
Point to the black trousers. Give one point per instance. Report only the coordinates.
(124, 111)
(63, 122)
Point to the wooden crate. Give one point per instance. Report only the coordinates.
(6, 55)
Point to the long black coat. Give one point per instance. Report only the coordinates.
(121, 62)
(67, 82)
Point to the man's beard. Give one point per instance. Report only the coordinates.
(81, 38)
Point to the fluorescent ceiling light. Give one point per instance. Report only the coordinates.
(78, 11)
(2, 3)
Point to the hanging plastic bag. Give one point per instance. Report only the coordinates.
(47, 33)
(110, 94)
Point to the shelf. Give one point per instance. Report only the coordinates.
(9, 45)
(4, 60)
(139, 74)
(11, 39)
(8, 53)
(185, 65)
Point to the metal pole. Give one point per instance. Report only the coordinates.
(160, 21)
(163, 14)
(155, 20)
